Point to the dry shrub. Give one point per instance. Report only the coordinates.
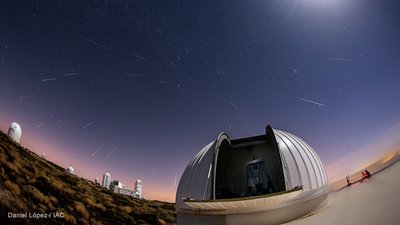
(41, 173)
(109, 205)
(3, 159)
(36, 194)
(53, 199)
(161, 222)
(125, 209)
(32, 180)
(91, 202)
(100, 206)
(170, 217)
(57, 184)
(14, 188)
(12, 167)
(17, 164)
(6, 201)
(41, 208)
(60, 186)
(19, 204)
(107, 198)
(95, 222)
(69, 192)
(26, 173)
(80, 208)
(30, 168)
(69, 219)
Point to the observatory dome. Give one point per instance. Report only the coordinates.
(265, 179)
(15, 132)
(70, 169)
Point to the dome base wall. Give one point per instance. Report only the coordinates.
(267, 217)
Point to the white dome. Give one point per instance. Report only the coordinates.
(15, 132)
(70, 169)
(226, 172)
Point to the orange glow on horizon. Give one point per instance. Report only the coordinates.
(388, 158)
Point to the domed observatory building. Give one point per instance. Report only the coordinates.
(15, 132)
(265, 179)
(70, 169)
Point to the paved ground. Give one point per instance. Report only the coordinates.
(375, 201)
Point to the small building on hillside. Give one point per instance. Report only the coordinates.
(15, 132)
(70, 169)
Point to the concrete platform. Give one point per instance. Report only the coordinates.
(373, 201)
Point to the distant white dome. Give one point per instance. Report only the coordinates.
(265, 179)
(15, 132)
(43, 155)
(70, 169)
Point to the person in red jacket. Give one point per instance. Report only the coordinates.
(365, 174)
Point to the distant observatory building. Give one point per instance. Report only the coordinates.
(138, 188)
(15, 132)
(106, 180)
(267, 179)
(70, 169)
(114, 185)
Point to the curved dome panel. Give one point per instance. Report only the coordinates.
(195, 181)
(302, 166)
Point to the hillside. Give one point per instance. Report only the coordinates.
(31, 186)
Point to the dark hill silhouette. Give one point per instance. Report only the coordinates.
(31, 184)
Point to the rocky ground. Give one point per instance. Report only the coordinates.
(33, 187)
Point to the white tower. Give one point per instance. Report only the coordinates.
(96, 180)
(70, 169)
(106, 180)
(14, 132)
(138, 188)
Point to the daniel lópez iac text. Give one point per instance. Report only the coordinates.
(34, 215)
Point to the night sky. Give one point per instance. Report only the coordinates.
(137, 87)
